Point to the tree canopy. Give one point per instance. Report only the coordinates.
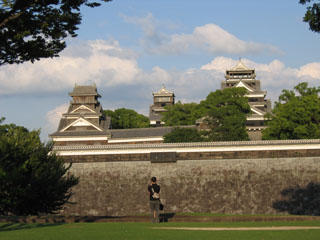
(181, 114)
(183, 135)
(33, 180)
(296, 115)
(123, 118)
(33, 29)
(226, 115)
(223, 110)
(312, 15)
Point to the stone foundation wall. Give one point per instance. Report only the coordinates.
(195, 182)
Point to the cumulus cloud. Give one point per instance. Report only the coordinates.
(152, 37)
(194, 84)
(209, 38)
(53, 118)
(213, 39)
(102, 62)
(310, 70)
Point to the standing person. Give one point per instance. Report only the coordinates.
(154, 194)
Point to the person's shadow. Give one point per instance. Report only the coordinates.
(300, 201)
(164, 217)
(19, 226)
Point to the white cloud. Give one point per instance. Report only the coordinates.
(152, 37)
(53, 118)
(312, 70)
(102, 62)
(209, 38)
(156, 76)
(220, 64)
(109, 66)
(213, 39)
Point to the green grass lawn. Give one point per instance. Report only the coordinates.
(143, 231)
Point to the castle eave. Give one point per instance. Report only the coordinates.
(80, 134)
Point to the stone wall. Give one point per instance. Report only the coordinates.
(240, 182)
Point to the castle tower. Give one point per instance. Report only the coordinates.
(161, 99)
(242, 76)
(84, 123)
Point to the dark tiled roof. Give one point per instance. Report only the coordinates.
(80, 134)
(123, 133)
(98, 111)
(62, 124)
(83, 114)
(84, 90)
(104, 124)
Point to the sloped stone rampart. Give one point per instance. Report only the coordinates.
(242, 182)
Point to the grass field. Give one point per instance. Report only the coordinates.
(144, 231)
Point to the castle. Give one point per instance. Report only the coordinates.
(86, 124)
(242, 76)
(161, 99)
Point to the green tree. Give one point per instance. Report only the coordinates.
(183, 135)
(226, 114)
(182, 114)
(34, 29)
(33, 180)
(224, 111)
(296, 115)
(312, 15)
(123, 118)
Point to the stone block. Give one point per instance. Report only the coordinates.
(163, 157)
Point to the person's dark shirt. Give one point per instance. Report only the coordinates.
(156, 189)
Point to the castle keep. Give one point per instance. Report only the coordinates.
(161, 99)
(242, 76)
(85, 122)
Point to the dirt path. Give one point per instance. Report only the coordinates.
(240, 228)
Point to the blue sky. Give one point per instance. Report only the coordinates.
(130, 48)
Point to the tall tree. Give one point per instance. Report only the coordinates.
(33, 180)
(296, 115)
(312, 15)
(34, 29)
(183, 135)
(123, 118)
(227, 111)
(182, 114)
(224, 111)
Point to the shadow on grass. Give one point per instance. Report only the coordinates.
(300, 201)
(19, 226)
(8, 223)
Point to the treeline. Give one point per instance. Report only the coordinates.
(123, 118)
(296, 115)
